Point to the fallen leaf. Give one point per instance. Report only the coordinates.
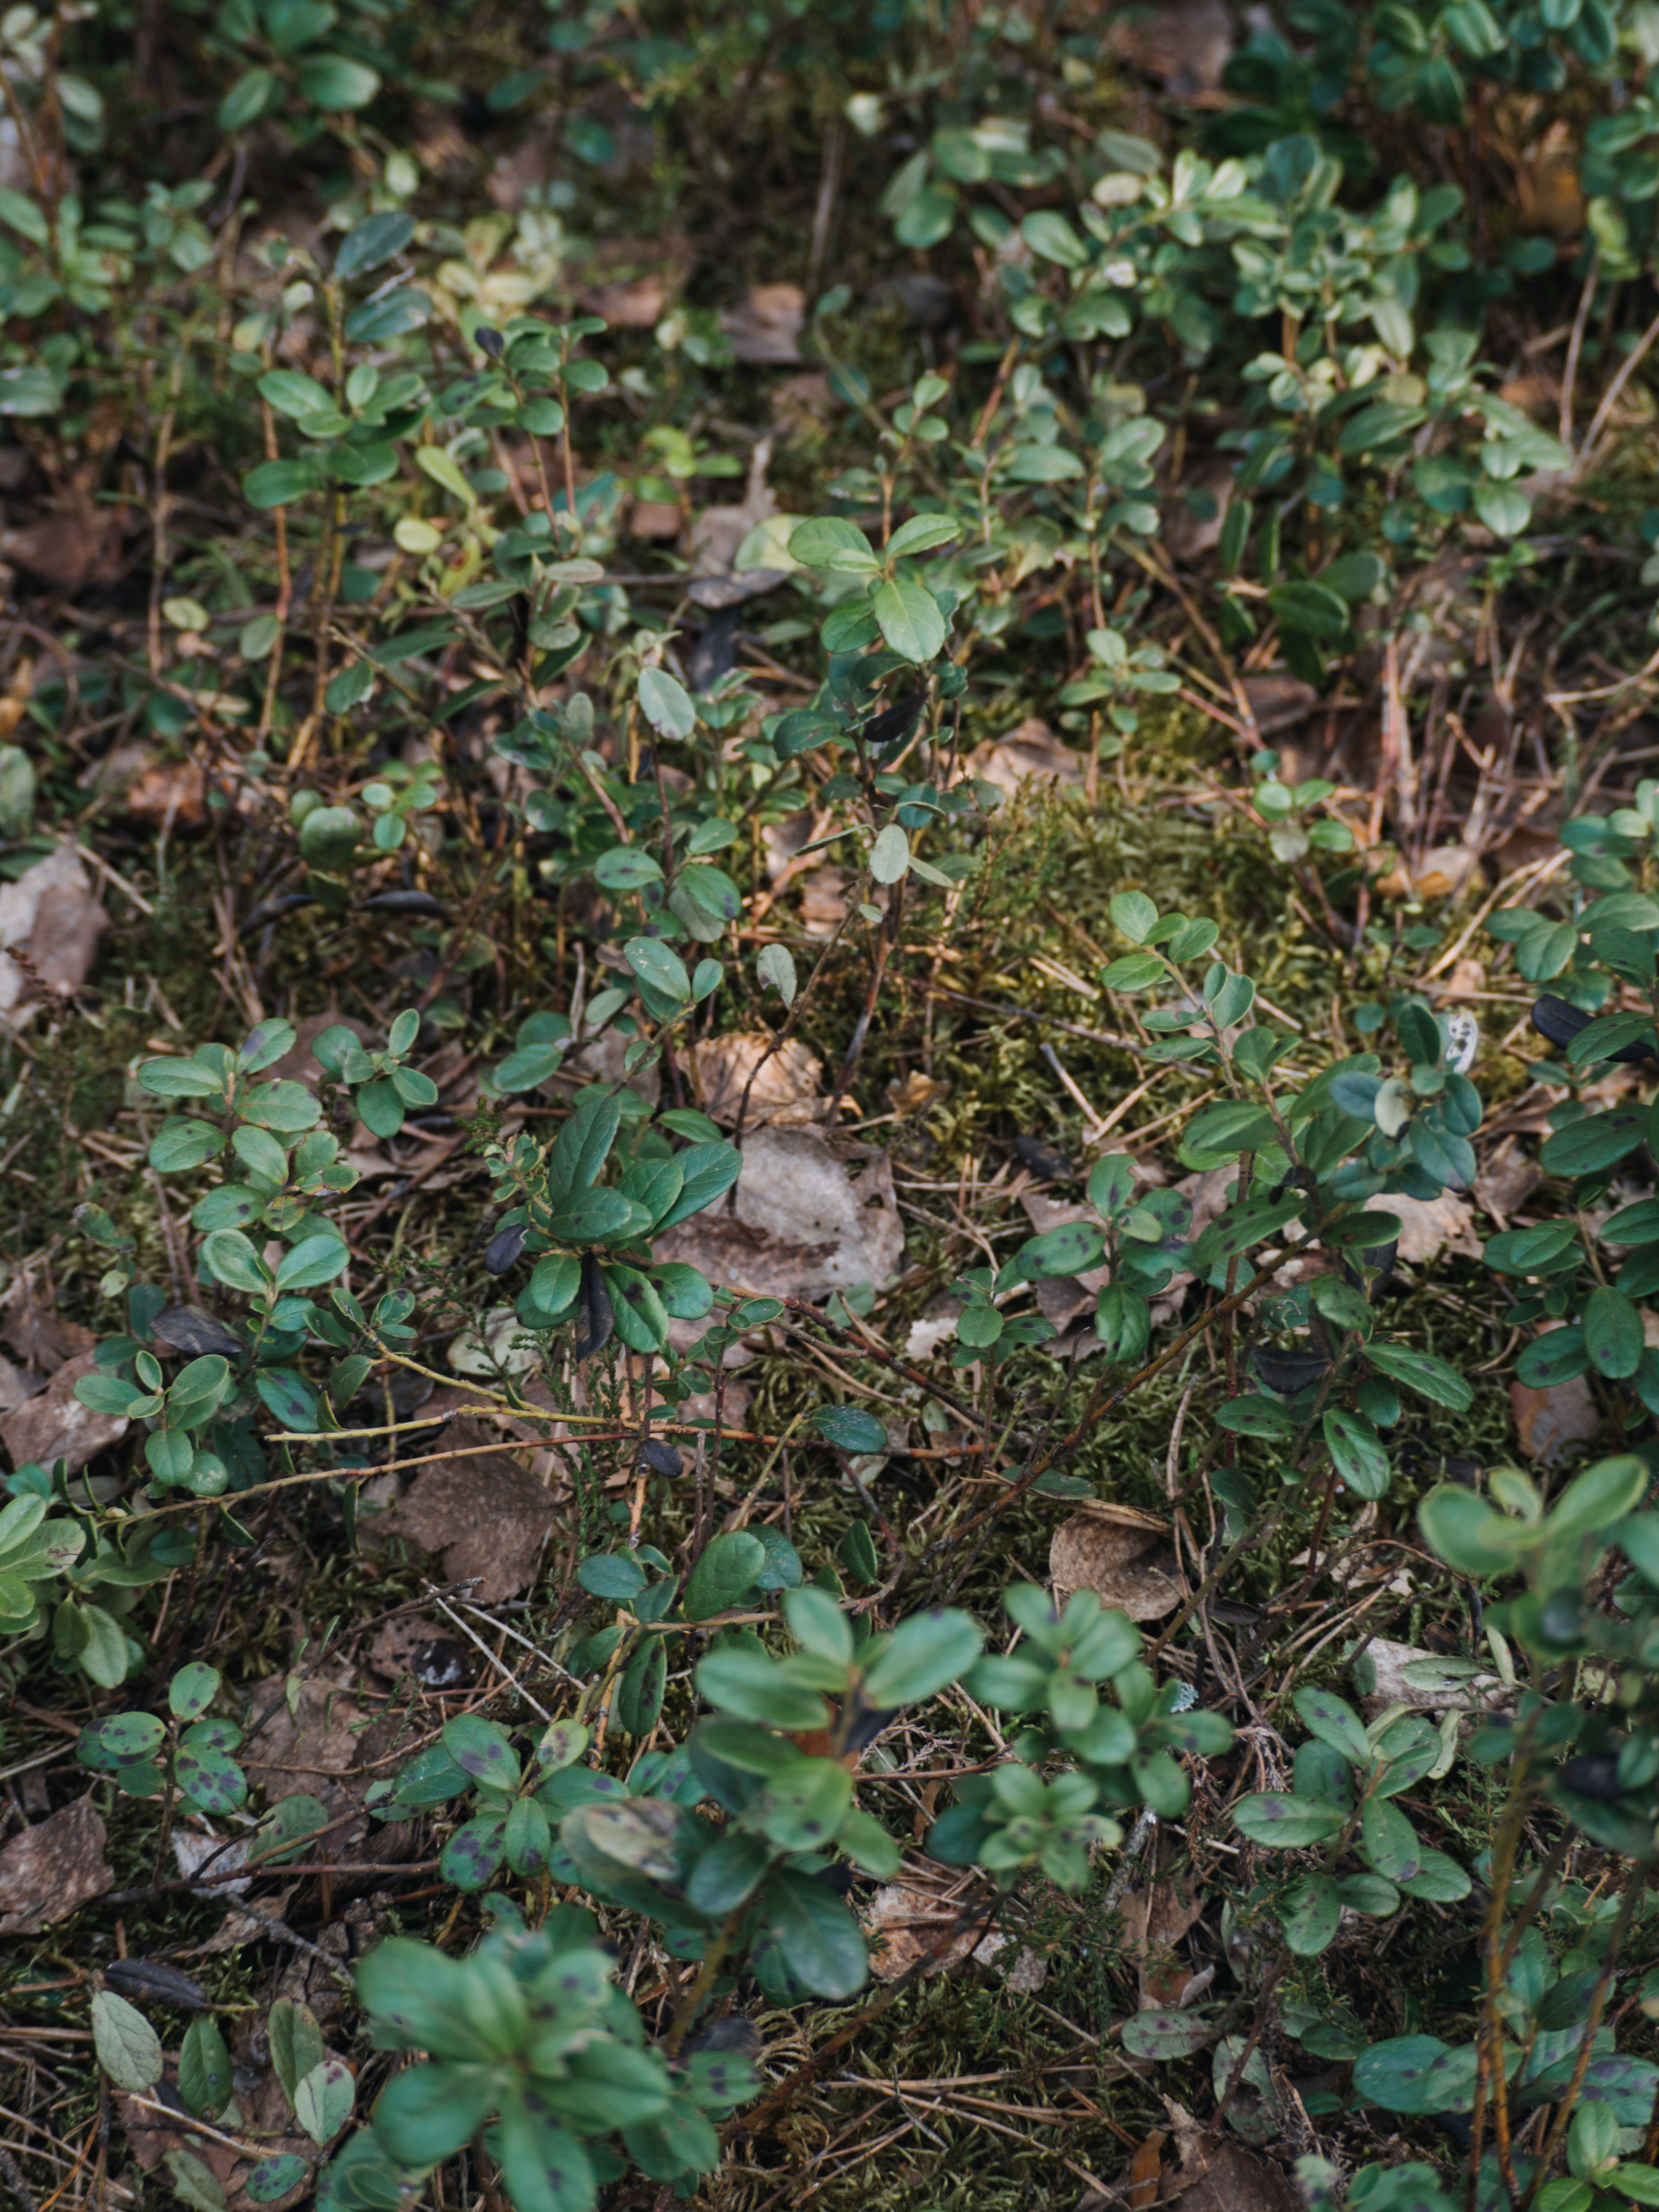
(1193, 517)
(718, 538)
(54, 1424)
(1386, 1663)
(803, 1223)
(41, 1340)
(1429, 1226)
(823, 907)
(416, 1645)
(1507, 1180)
(80, 544)
(1186, 47)
(18, 1385)
(936, 1327)
(328, 1746)
(654, 518)
(486, 1514)
(1218, 2175)
(1549, 195)
(1547, 1423)
(1154, 1920)
(1030, 750)
(915, 1094)
(199, 1850)
(52, 1869)
(1278, 700)
(1147, 2173)
(51, 915)
(1444, 872)
(639, 305)
(788, 1088)
(1466, 981)
(911, 1915)
(803, 402)
(766, 327)
(1114, 1550)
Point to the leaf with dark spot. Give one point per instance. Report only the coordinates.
(1559, 1022)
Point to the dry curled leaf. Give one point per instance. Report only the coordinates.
(767, 326)
(486, 1514)
(1030, 750)
(1429, 1226)
(54, 1424)
(52, 1869)
(788, 1087)
(803, 1222)
(1116, 1550)
(1549, 1423)
(50, 917)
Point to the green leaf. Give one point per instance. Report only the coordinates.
(910, 618)
(889, 855)
(279, 483)
(831, 544)
(1134, 915)
(205, 2069)
(1421, 1372)
(1598, 1141)
(1358, 1453)
(369, 243)
(1311, 1914)
(804, 1804)
(275, 2177)
(1612, 1332)
(921, 1656)
(324, 2100)
(194, 2183)
(336, 85)
(1556, 1357)
(1334, 1722)
(129, 2050)
(192, 1690)
(1286, 1823)
(315, 1260)
(1390, 1841)
(639, 1699)
(1415, 2073)
(296, 2042)
(1595, 1500)
(482, 1750)
(849, 1430)
(810, 1935)
(665, 704)
(1166, 2035)
(756, 1688)
(728, 1567)
(921, 534)
(234, 1262)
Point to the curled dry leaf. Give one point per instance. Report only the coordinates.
(483, 1513)
(1116, 1550)
(766, 327)
(1030, 750)
(54, 1424)
(787, 1089)
(1429, 1226)
(912, 1918)
(1507, 1180)
(1548, 1423)
(317, 1742)
(39, 1336)
(52, 1869)
(1154, 1920)
(52, 917)
(1217, 2174)
(803, 1223)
